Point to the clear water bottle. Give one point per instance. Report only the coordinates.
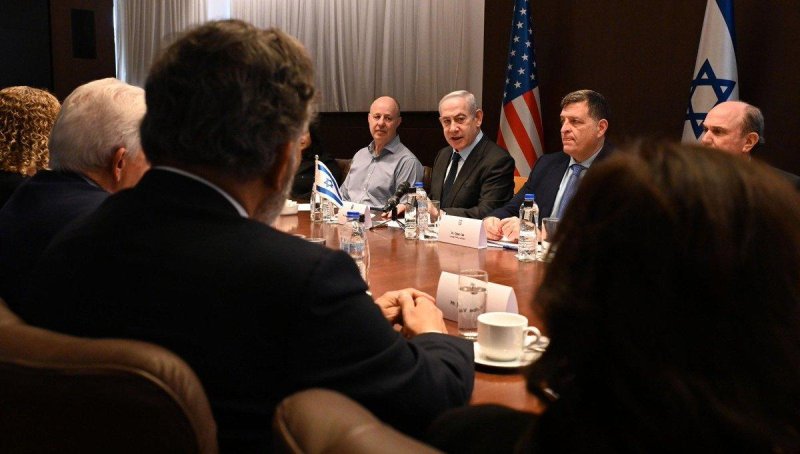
(410, 215)
(353, 240)
(528, 218)
(422, 210)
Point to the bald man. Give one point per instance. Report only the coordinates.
(377, 169)
(737, 127)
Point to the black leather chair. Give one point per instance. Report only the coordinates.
(322, 421)
(64, 394)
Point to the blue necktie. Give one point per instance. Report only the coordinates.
(451, 176)
(572, 186)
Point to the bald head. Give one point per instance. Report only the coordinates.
(384, 118)
(734, 127)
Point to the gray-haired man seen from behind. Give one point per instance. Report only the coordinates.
(94, 151)
(257, 313)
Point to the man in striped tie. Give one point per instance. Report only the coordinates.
(555, 177)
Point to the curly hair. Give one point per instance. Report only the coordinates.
(26, 117)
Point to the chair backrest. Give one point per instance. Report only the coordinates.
(323, 421)
(519, 182)
(426, 178)
(61, 393)
(344, 166)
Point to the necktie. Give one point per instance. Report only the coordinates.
(451, 176)
(572, 186)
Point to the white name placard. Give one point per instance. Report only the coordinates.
(462, 231)
(352, 206)
(499, 298)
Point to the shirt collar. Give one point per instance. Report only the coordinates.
(588, 162)
(388, 147)
(227, 196)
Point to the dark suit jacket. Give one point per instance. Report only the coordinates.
(8, 184)
(544, 180)
(257, 313)
(485, 182)
(39, 209)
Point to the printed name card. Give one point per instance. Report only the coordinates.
(499, 298)
(352, 206)
(462, 231)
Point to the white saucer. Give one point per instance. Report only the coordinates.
(527, 357)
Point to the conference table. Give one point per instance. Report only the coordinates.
(397, 263)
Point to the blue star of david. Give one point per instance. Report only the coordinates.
(328, 183)
(722, 88)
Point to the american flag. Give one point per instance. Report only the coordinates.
(521, 119)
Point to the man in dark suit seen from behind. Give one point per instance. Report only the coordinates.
(94, 151)
(473, 175)
(258, 314)
(584, 123)
(737, 128)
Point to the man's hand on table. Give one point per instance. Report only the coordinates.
(415, 311)
(493, 228)
(510, 228)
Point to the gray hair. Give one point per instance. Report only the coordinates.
(753, 121)
(472, 105)
(96, 119)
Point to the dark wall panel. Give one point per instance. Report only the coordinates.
(25, 43)
(345, 133)
(82, 43)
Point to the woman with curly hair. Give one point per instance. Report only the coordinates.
(26, 118)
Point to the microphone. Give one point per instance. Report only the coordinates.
(395, 199)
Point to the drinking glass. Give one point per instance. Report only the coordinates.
(472, 285)
(549, 226)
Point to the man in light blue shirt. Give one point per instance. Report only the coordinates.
(378, 169)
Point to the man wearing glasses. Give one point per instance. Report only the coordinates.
(472, 176)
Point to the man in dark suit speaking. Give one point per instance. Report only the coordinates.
(472, 176)
(555, 176)
(187, 260)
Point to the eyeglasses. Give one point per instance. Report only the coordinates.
(459, 120)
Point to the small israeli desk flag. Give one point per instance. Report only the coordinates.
(715, 76)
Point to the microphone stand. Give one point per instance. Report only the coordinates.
(386, 222)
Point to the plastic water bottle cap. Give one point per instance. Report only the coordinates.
(353, 215)
(418, 184)
(529, 197)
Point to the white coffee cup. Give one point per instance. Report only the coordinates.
(503, 336)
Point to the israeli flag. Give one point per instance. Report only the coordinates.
(715, 77)
(326, 185)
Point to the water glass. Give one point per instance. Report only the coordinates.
(549, 226)
(472, 290)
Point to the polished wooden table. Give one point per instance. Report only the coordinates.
(397, 263)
